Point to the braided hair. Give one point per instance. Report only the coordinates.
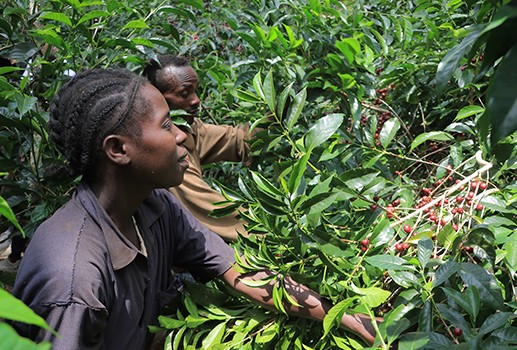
(91, 106)
(154, 71)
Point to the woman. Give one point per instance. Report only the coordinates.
(98, 270)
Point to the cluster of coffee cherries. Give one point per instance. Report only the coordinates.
(453, 210)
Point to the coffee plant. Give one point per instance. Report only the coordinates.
(383, 177)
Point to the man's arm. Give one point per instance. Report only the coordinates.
(313, 306)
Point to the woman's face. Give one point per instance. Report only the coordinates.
(181, 90)
(158, 155)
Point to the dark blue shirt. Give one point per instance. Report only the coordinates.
(95, 288)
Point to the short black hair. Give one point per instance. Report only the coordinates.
(154, 70)
(89, 107)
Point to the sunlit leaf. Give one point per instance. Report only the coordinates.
(295, 109)
(136, 24)
(431, 136)
(388, 131)
(468, 111)
(334, 315)
(56, 16)
(388, 262)
(425, 249)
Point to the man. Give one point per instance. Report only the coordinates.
(206, 143)
(99, 270)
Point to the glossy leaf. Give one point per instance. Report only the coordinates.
(268, 88)
(388, 262)
(431, 136)
(322, 130)
(56, 16)
(296, 108)
(388, 131)
(477, 276)
(495, 321)
(451, 60)
(93, 15)
(501, 101)
(297, 173)
(334, 315)
(11, 340)
(6, 212)
(14, 309)
(425, 249)
(371, 296)
(468, 111)
(215, 336)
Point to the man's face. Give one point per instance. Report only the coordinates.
(181, 85)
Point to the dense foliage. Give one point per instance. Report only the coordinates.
(386, 181)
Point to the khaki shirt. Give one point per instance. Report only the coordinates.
(207, 143)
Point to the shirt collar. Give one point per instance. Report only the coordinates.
(121, 251)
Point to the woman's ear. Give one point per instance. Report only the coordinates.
(115, 149)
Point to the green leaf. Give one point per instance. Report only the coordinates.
(195, 321)
(495, 321)
(501, 100)
(277, 299)
(215, 336)
(372, 296)
(461, 301)
(357, 179)
(319, 202)
(296, 109)
(136, 24)
(190, 305)
(395, 329)
(323, 130)
(6, 212)
(388, 131)
(507, 334)
(14, 309)
(56, 16)
(444, 272)
(335, 314)
(24, 103)
(5, 70)
(451, 60)
(388, 262)
(257, 85)
(170, 323)
(93, 15)
(269, 91)
(435, 341)
(297, 173)
(198, 4)
(511, 254)
(282, 99)
(413, 341)
(486, 284)
(265, 186)
(455, 318)
(468, 111)
(433, 135)
(425, 249)
(12, 341)
(472, 299)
